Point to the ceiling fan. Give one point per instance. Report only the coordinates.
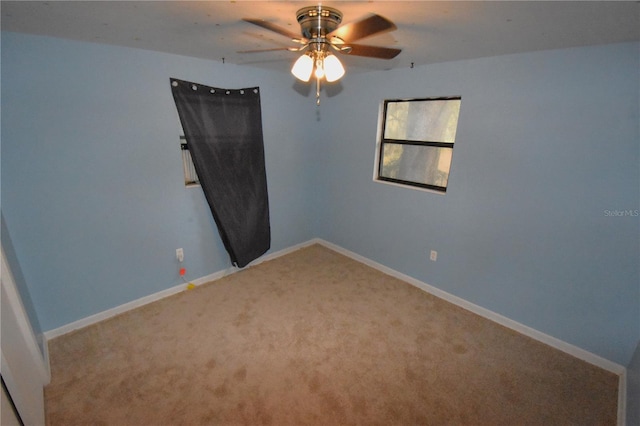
(321, 35)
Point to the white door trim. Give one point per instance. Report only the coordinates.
(23, 367)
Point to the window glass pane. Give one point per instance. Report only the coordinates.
(427, 165)
(427, 121)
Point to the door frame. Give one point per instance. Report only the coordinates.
(23, 366)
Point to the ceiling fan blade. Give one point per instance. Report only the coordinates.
(275, 28)
(275, 49)
(364, 28)
(373, 51)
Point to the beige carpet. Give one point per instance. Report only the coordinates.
(314, 337)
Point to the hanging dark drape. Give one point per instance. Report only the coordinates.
(223, 130)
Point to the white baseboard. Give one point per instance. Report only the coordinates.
(109, 313)
(563, 346)
(486, 313)
(568, 348)
(622, 399)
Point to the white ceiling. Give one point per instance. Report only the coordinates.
(428, 31)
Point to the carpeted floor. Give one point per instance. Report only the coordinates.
(316, 338)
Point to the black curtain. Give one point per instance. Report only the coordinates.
(223, 130)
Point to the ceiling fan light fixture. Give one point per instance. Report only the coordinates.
(321, 34)
(333, 68)
(303, 68)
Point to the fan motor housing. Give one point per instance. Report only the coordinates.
(318, 21)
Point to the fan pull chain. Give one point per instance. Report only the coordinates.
(317, 91)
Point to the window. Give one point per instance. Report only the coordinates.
(416, 142)
(190, 176)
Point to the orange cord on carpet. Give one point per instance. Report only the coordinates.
(190, 286)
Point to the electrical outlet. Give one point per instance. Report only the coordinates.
(180, 254)
(433, 255)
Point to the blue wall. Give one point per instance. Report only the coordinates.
(547, 142)
(92, 186)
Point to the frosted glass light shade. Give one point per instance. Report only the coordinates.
(302, 68)
(333, 68)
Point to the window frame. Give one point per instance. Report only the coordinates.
(188, 169)
(381, 141)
